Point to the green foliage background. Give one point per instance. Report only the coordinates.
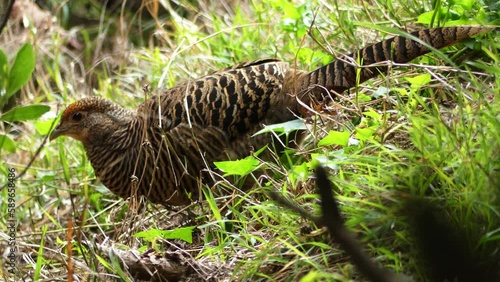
(430, 129)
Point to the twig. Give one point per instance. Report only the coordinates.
(332, 219)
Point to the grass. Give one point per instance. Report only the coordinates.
(439, 140)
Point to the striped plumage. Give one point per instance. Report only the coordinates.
(162, 149)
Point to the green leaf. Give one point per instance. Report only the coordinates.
(381, 92)
(285, 127)
(46, 175)
(335, 138)
(94, 199)
(209, 196)
(64, 162)
(239, 167)
(104, 262)
(39, 259)
(401, 91)
(21, 70)
(311, 277)
(43, 127)
(290, 10)
(184, 233)
(364, 134)
(305, 54)
(7, 144)
(482, 16)
(298, 172)
(428, 17)
(418, 81)
(373, 114)
(461, 21)
(4, 72)
(466, 4)
(23, 113)
(364, 98)
(321, 159)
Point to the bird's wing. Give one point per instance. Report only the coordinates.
(233, 100)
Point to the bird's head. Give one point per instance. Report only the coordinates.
(91, 120)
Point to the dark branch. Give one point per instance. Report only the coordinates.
(332, 219)
(4, 15)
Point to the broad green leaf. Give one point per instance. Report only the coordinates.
(373, 114)
(290, 10)
(305, 54)
(401, 91)
(149, 235)
(21, 69)
(240, 167)
(7, 144)
(364, 98)
(94, 199)
(184, 233)
(298, 172)
(428, 17)
(23, 113)
(364, 134)
(461, 21)
(466, 4)
(43, 127)
(482, 16)
(321, 159)
(285, 127)
(301, 170)
(418, 81)
(311, 277)
(335, 138)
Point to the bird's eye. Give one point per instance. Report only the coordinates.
(77, 116)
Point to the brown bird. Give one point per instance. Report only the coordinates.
(162, 149)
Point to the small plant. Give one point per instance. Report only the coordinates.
(12, 78)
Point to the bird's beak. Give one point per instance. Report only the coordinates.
(57, 132)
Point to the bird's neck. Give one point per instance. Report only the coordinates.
(118, 132)
(115, 149)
